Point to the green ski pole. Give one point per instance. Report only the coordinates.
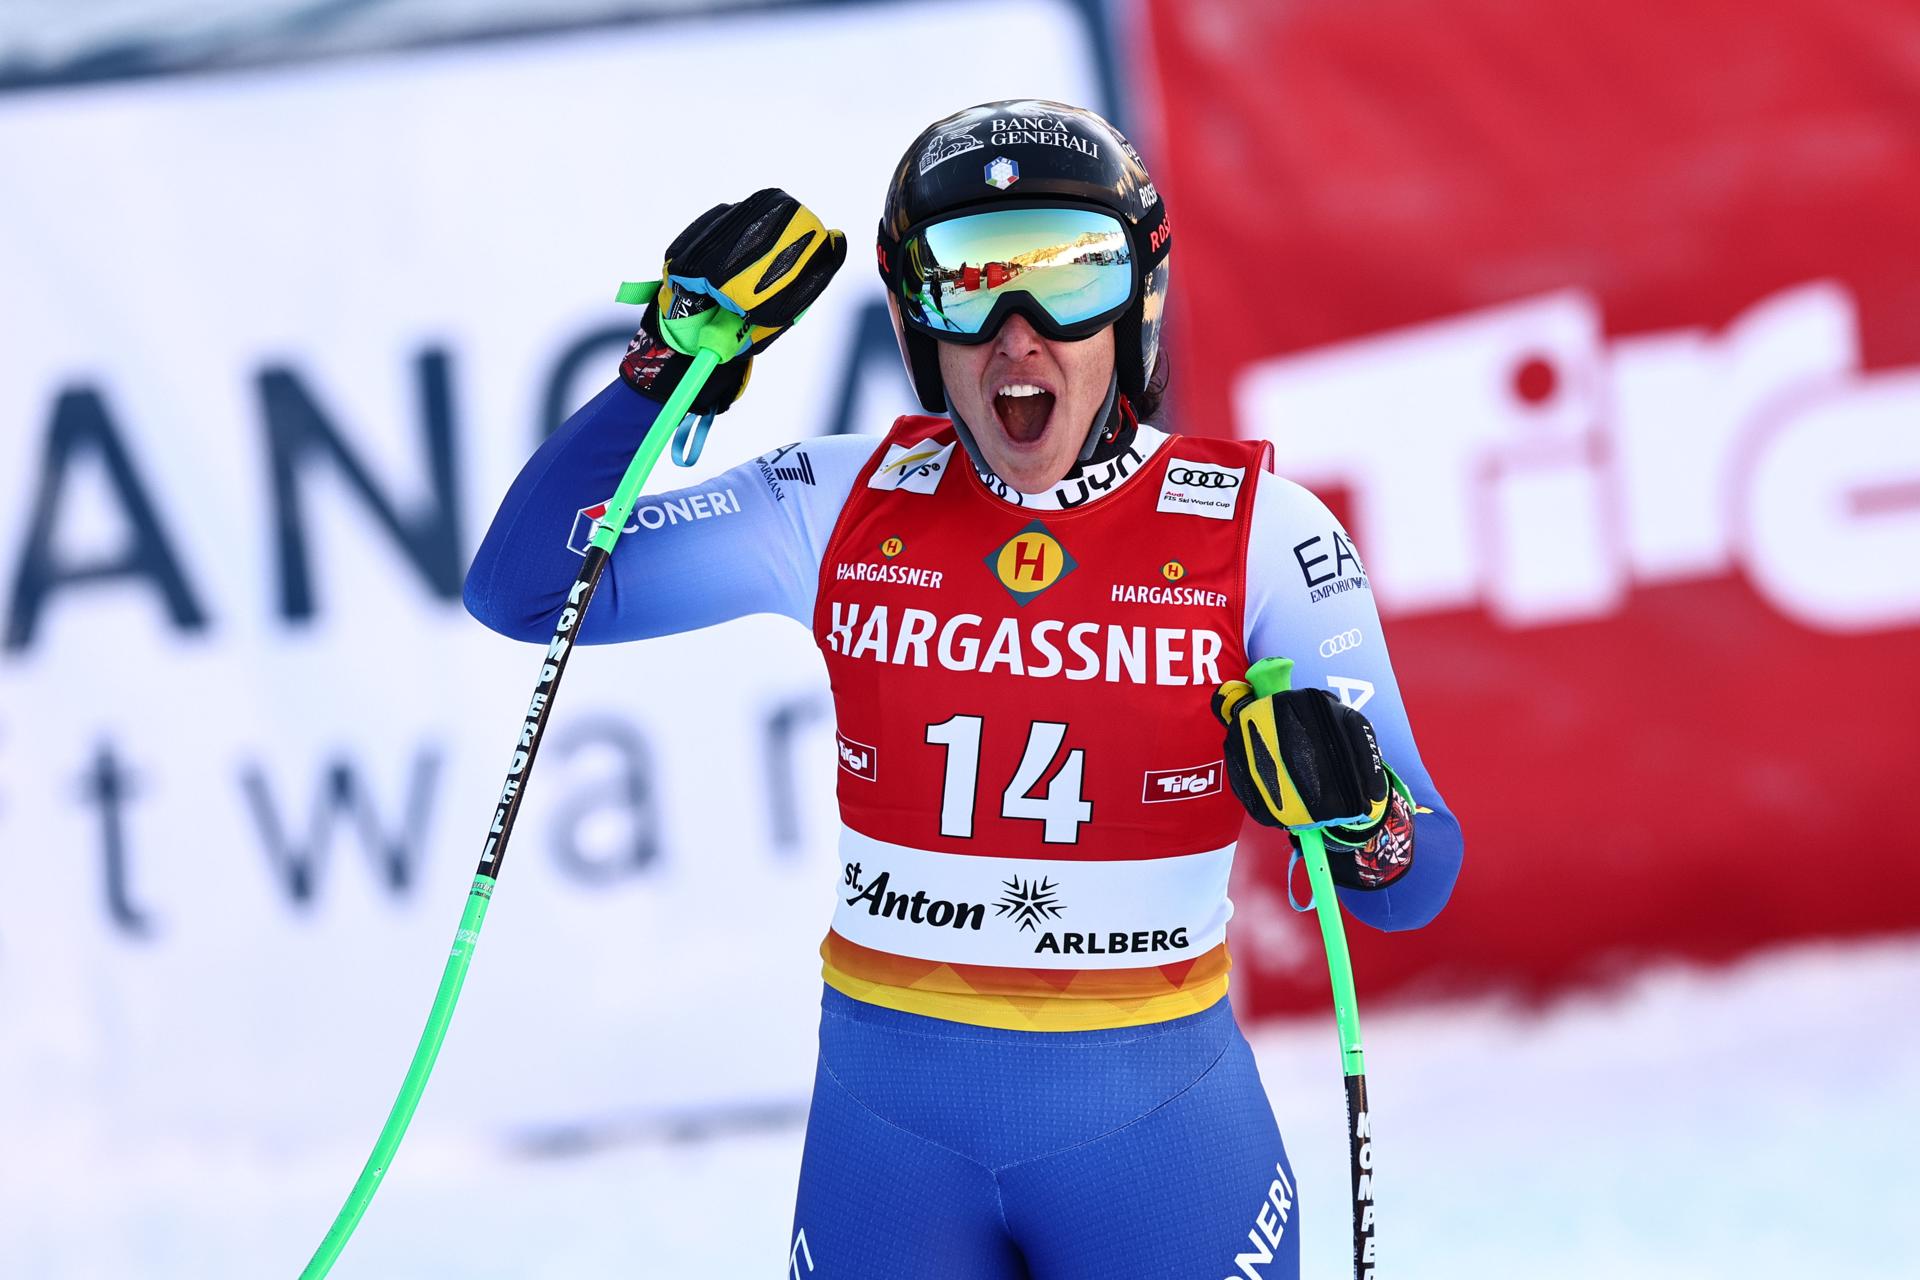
(1270, 676)
(716, 336)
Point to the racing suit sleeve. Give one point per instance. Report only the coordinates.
(1308, 599)
(746, 541)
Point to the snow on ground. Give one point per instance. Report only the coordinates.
(1751, 1122)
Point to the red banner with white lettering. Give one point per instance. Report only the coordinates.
(1599, 324)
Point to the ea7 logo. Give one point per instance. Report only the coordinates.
(1162, 785)
(857, 758)
(798, 1254)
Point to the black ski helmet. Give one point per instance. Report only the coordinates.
(1061, 151)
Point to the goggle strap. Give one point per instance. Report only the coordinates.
(1152, 229)
(1098, 427)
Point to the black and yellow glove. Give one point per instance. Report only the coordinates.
(766, 258)
(1302, 758)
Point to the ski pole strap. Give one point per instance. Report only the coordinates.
(722, 337)
(690, 439)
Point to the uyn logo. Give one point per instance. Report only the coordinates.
(1161, 785)
(857, 758)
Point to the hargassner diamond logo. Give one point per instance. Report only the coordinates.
(1029, 562)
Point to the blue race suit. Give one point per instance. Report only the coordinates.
(936, 1147)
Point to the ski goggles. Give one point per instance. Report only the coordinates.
(1069, 270)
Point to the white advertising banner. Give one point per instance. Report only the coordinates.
(274, 344)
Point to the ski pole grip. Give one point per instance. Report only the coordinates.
(1270, 676)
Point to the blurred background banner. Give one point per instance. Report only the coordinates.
(275, 341)
(1600, 325)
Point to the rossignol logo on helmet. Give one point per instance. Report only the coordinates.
(1160, 235)
(913, 468)
(1201, 489)
(942, 147)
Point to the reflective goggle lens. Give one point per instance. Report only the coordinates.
(1075, 263)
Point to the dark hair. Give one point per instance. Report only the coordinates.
(1152, 398)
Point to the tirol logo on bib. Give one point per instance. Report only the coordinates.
(857, 758)
(1201, 489)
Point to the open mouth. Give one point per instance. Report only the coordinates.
(1024, 411)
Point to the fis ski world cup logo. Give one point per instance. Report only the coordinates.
(915, 468)
(1201, 489)
(1002, 172)
(1029, 562)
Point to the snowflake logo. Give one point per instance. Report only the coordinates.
(1029, 901)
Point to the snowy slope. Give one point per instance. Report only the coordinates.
(1754, 1122)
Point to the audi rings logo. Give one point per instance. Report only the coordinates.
(1202, 479)
(1341, 643)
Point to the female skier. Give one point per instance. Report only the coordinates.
(1034, 610)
